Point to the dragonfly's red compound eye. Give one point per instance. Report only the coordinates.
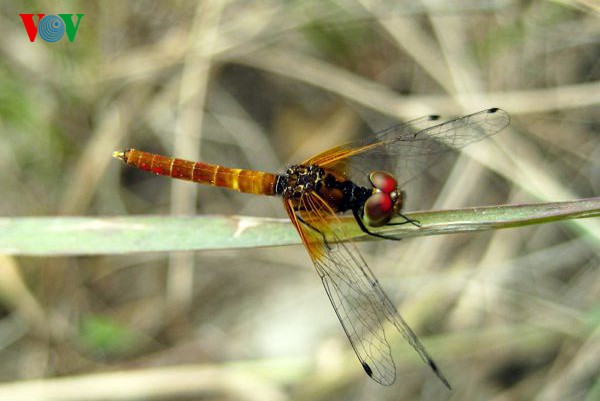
(383, 181)
(378, 209)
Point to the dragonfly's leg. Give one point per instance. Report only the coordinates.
(407, 219)
(314, 229)
(364, 228)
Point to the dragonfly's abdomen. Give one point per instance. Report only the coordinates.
(247, 181)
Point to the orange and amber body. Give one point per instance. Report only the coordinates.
(338, 192)
(247, 181)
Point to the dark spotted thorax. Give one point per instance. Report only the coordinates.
(299, 179)
(377, 204)
(334, 188)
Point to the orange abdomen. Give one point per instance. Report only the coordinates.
(248, 181)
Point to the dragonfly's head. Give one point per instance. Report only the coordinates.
(384, 202)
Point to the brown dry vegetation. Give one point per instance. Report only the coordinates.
(508, 315)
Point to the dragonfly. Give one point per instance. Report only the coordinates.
(361, 177)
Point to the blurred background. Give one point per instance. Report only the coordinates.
(508, 315)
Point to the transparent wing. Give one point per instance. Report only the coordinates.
(358, 300)
(407, 149)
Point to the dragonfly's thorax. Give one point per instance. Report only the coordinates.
(340, 193)
(298, 180)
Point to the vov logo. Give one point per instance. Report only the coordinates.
(50, 27)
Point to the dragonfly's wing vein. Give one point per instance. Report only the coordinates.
(408, 149)
(358, 300)
(406, 129)
(349, 291)
(453, 134)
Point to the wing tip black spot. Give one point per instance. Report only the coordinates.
(367, 369)
(383, 380)
(434, 117)
(439, 374)
(493, 110)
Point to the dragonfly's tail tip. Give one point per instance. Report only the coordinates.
(118, 154)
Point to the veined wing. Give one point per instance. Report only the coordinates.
(412, 147)
(337, 157)
(359, 302)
